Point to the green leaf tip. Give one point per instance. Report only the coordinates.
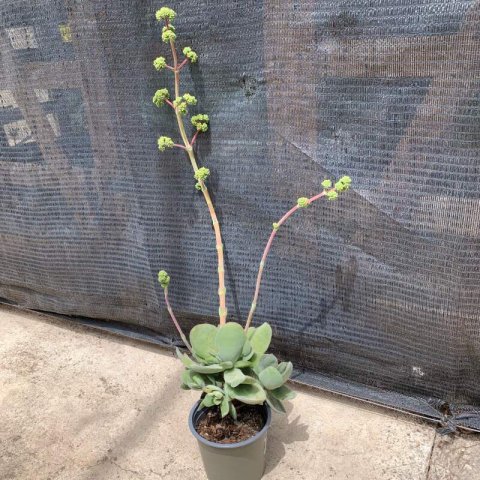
(165, 13)
(327, 183)
(302, 202)
(159, 63)
(164, 143)
(190, 54)
(202, 174)
(200, 121)
(163, 278)
(160, 96)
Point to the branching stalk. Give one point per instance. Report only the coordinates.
(222, 311)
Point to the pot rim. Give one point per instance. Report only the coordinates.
(228, 446)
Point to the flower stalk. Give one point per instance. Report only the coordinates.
(331, 193)
(180, 107)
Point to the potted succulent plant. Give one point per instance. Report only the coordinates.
(228, 363)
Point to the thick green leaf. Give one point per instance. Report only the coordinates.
(185, 359)
(229, 341)
(208, 401)
(267, 360)
(243, 364)
(261, 338)
(233, 411)
(234, 377)
(276, 404)
(283, 393)
(247, 350)
(207, 369)
(285, 368)
(250, 332)
(251, 394)
(193, 380)
(271, 378)
(202, 339)
(225, 406)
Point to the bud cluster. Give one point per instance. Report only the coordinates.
(200, 122)
(164, 143)
(160, 97)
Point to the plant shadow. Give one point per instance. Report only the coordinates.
(284, 430)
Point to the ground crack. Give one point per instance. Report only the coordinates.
(430, 456)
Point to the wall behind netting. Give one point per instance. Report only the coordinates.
(379, 289)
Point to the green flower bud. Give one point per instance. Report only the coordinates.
(159, 63)
(165, 142)
(200, 122)
(190, 54)
(163, 278)
(165, 13)
(202, 173)
(190, 99)
(302, 202)
(332, 195)
(275, 226)
(160, 97)
(327, 184)
(181, 105)
(198, 186)
(168, 34)
(343, 184)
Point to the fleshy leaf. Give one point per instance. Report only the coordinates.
(233, 411)
(202, 339)
(234, 377)
(276, 404)
(243, 364)
(225, 406)
(229, 340)
(271, 378)
(251, 394)
(247, 350)
(261, 338)
(208, 400)
(207, 369)
(250, 332)
(193, 380)
(285, 368)
(267, 360)
(283, 393)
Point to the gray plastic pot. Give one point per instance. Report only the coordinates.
(235, 461)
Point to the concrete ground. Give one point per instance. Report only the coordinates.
(82, 405)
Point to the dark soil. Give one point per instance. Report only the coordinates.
(226, 430)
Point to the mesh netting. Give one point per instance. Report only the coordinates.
(378, 291)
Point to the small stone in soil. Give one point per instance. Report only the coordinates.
(216, 429)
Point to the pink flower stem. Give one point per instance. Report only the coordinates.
(170, 103)
(174, 319)
(265, 254)
(179, 146)
(192, 141)
(182, 64)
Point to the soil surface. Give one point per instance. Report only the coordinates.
(226, 430)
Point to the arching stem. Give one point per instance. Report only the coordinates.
(267, 250)
(175, 321)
